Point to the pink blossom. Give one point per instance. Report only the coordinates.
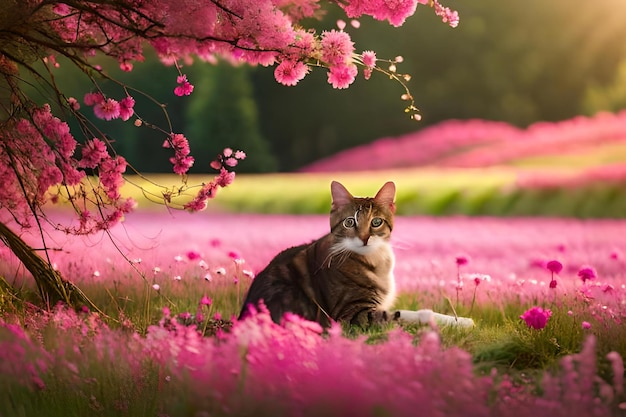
(341, 77)
(108, 109)
(369, 58)
(225, 178)
(184, 88)
(536, 317)
(462, 260)
(234, 255)
(241, 155)
(290, 73)
(585, 325)
(587, 273)
(94, 151)
(126, 66)
(451, 17)
(91, 99)
(181, 160)
(337, 48)
(554, 266)
(231, 162)
(73, 103)
(193, 255)
(395, 12)
(126, 108)
(206, 301)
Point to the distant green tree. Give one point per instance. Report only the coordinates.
(225, 114)
(220, 113)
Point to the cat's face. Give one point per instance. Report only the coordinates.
(362, 225)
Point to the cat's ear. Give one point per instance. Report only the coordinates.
(340, 195)
(387, 195)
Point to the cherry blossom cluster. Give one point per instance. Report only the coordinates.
(38, 164)
(109, 108)
(181, 160)
(224, 164)
(264, 32)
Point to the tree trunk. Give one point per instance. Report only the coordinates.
(51, 285)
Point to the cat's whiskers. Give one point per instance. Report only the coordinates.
(337, 250)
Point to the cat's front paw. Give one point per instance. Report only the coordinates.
(378, 317)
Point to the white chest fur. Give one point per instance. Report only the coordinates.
(385, 262)
(379, 253)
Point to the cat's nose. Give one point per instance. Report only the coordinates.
(365, 239)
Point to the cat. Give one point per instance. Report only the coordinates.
(345, 276)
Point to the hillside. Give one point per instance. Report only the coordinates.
(578, 143)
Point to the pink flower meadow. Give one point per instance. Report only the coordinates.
(289, 366)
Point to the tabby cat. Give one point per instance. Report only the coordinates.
(347, 275)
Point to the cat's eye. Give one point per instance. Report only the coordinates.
(349, 223)
(377, 222)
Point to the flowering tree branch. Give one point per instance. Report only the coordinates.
(42, 161)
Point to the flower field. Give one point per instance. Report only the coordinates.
(186, 274)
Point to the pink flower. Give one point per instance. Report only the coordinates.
(536, 317)
(126, 108)
(337, 48)
(554, 266)
(206, 301)
(241, 155)
(553, 283)
(231, 162)
(290, 73)
(94, 151)
(225, 178)
(587, 273)
(73, 103)
(91, 99)
(181, 160)
(462, 260)
(184, 87)
(341, 77)
(585, 325)
(126, 66)
(108, 109)
(192, 255)
(234, 255)
(451, 17)
(369, 58)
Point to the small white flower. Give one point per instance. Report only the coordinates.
(157, 287)
(220, 271)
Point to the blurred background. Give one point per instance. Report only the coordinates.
(518, 62)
